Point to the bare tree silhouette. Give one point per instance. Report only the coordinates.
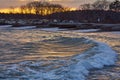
(101, 5)
(115, 6)
(42, 8)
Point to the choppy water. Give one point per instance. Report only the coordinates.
(21, 45)
(40, 55)
(113, 40)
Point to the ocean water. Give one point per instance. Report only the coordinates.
(41, 55)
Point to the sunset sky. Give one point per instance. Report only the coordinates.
(66, 3)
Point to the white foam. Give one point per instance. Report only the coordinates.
(97, 57)
(104, 56)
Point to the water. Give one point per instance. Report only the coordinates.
(113, 40)
(41, 55)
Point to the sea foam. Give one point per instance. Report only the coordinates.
(76, 67)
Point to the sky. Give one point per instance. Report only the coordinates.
(66, 3)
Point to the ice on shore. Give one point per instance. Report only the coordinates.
(5, 26)
(24, 27)
(52, 29)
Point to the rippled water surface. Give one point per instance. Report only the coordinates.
(25, 53)
(20, 49)
(21, 45)
(113, 40)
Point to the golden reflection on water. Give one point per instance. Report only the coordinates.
(36, 45)
(113, 40)
(110, 38)
(24, 45)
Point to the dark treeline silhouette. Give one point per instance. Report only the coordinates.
(115, 6)
(88, 16)
(20, 16)
(96, 16)
(97, 5)
(46, 8)
(102, 5)
(102, 11)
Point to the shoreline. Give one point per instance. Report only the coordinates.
(71, 26)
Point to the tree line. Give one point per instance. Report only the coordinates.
(90, 16)
(105, 11)
(102, 5)
(42, 8)
(46, 8)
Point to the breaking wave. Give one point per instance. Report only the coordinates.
(57, 58)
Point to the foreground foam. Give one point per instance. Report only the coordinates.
(75, 68)
(99, 56)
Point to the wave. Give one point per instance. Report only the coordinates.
(75, 67)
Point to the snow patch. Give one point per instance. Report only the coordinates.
(5, 26)
(25, 27)
(51, 29)
(87, 30)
